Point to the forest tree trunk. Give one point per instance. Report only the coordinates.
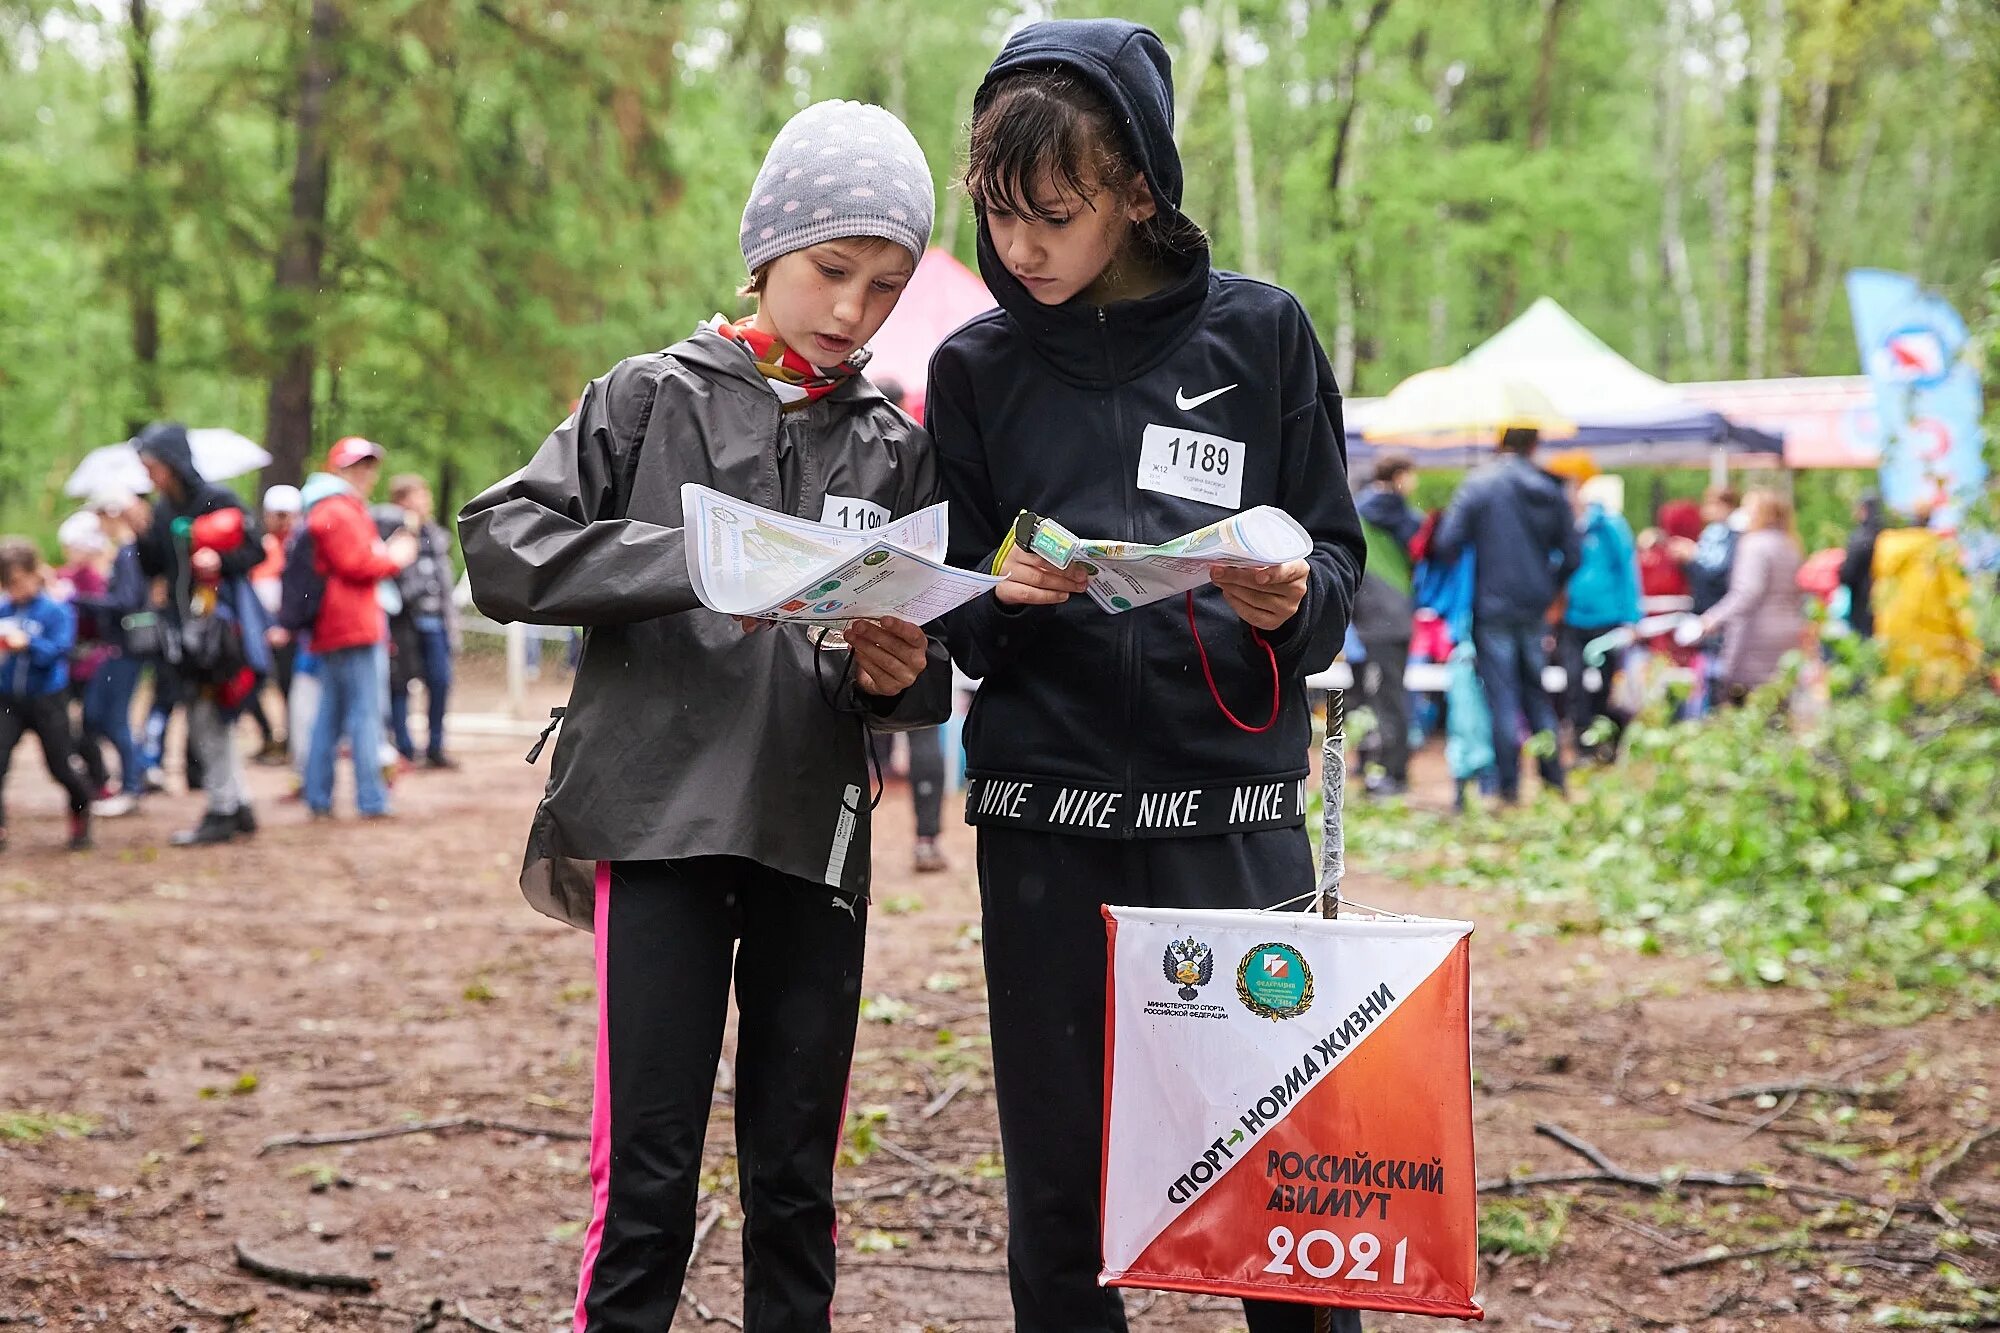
(1673, 244)
(1763, 184)
(1721, 218)
(146, 255)
(1541, 110)
(288, 434)
(1250, 242)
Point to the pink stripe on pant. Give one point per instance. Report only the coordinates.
(600, 1100)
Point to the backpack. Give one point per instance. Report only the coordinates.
(211, 648)
(302, 587)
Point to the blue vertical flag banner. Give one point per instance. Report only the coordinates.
(1913, 349)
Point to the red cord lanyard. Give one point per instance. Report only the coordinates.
(1208, 672)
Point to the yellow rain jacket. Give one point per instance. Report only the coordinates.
(1922, 606)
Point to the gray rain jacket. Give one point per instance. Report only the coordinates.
(685, 736)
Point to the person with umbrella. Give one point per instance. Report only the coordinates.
(199, 552)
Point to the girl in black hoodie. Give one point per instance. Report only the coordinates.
(1156, 757)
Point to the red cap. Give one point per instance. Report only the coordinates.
(352, 450)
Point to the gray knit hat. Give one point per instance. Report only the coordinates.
(839, 169)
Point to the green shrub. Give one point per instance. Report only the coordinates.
(1854, 852)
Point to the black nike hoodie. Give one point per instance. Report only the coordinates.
(1048, 409)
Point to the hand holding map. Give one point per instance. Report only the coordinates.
(1128, 574)
(748, 561)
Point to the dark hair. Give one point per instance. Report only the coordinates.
(1054, 121)
(18, 555)
(1520, 439)
(1391, 466)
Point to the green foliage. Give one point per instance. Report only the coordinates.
(884, 1009)
(1854, 852)
(1529, 1228)
(1976, 1306)
(521, 194)
(875, 1241)
(245, 1084)
(319, 1174)
(864, 1134)
(34, 1126)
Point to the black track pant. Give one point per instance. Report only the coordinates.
(926, 773)
(47, 715)
(1045, 964)
(1582, 704)
(927, 778)
(89, 749)
(1383, 691)
(669, 936)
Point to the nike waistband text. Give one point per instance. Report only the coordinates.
(1247, 806)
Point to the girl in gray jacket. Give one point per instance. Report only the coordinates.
(707, 813)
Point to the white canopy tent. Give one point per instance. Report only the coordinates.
(1623, 416)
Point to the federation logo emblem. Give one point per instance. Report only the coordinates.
(1189, 965)
(1274, 982)
(1918, 355)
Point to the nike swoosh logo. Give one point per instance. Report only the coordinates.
(1187, 404)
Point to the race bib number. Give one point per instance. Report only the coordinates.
(844, 511)
(1192, 466)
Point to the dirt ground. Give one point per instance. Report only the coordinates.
(167, 1014)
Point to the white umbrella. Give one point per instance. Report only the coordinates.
(218, 455)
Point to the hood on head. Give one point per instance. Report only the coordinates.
(1681, 518)
(321, 485)
(1380, 506)
(1129, 66)
(168, 442)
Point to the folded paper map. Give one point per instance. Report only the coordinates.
(1128, 574)
(746, 560)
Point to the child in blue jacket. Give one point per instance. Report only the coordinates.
(1603, 596)
(36, 635)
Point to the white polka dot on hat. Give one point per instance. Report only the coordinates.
(845, 193)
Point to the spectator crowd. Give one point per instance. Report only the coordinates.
(321, 614)
(1532, 564)
(315, 618)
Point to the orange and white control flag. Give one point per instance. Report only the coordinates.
(1288, 1109)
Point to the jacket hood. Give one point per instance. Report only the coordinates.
(1384, 508)
(168, 442)
(1129, 66)
(1898, 548)
(320, 486)
(1543, 488)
